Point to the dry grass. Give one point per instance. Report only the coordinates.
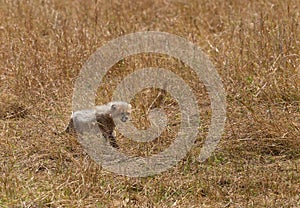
(255, 47)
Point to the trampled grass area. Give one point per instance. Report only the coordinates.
(255, 47)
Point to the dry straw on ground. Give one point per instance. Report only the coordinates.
(255, 47)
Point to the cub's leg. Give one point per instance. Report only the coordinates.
(112, 140)
(107, 127)
(110, 136)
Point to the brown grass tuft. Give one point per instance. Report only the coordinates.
(255, 47)
(11, 107)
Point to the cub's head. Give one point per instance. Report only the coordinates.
(120, 110)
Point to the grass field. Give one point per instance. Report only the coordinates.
(254, 46)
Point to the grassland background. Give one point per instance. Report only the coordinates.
(255, 47)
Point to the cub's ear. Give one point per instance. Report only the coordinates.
(129, 108)
(114, 107)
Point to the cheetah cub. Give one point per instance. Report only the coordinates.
(105, 116)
